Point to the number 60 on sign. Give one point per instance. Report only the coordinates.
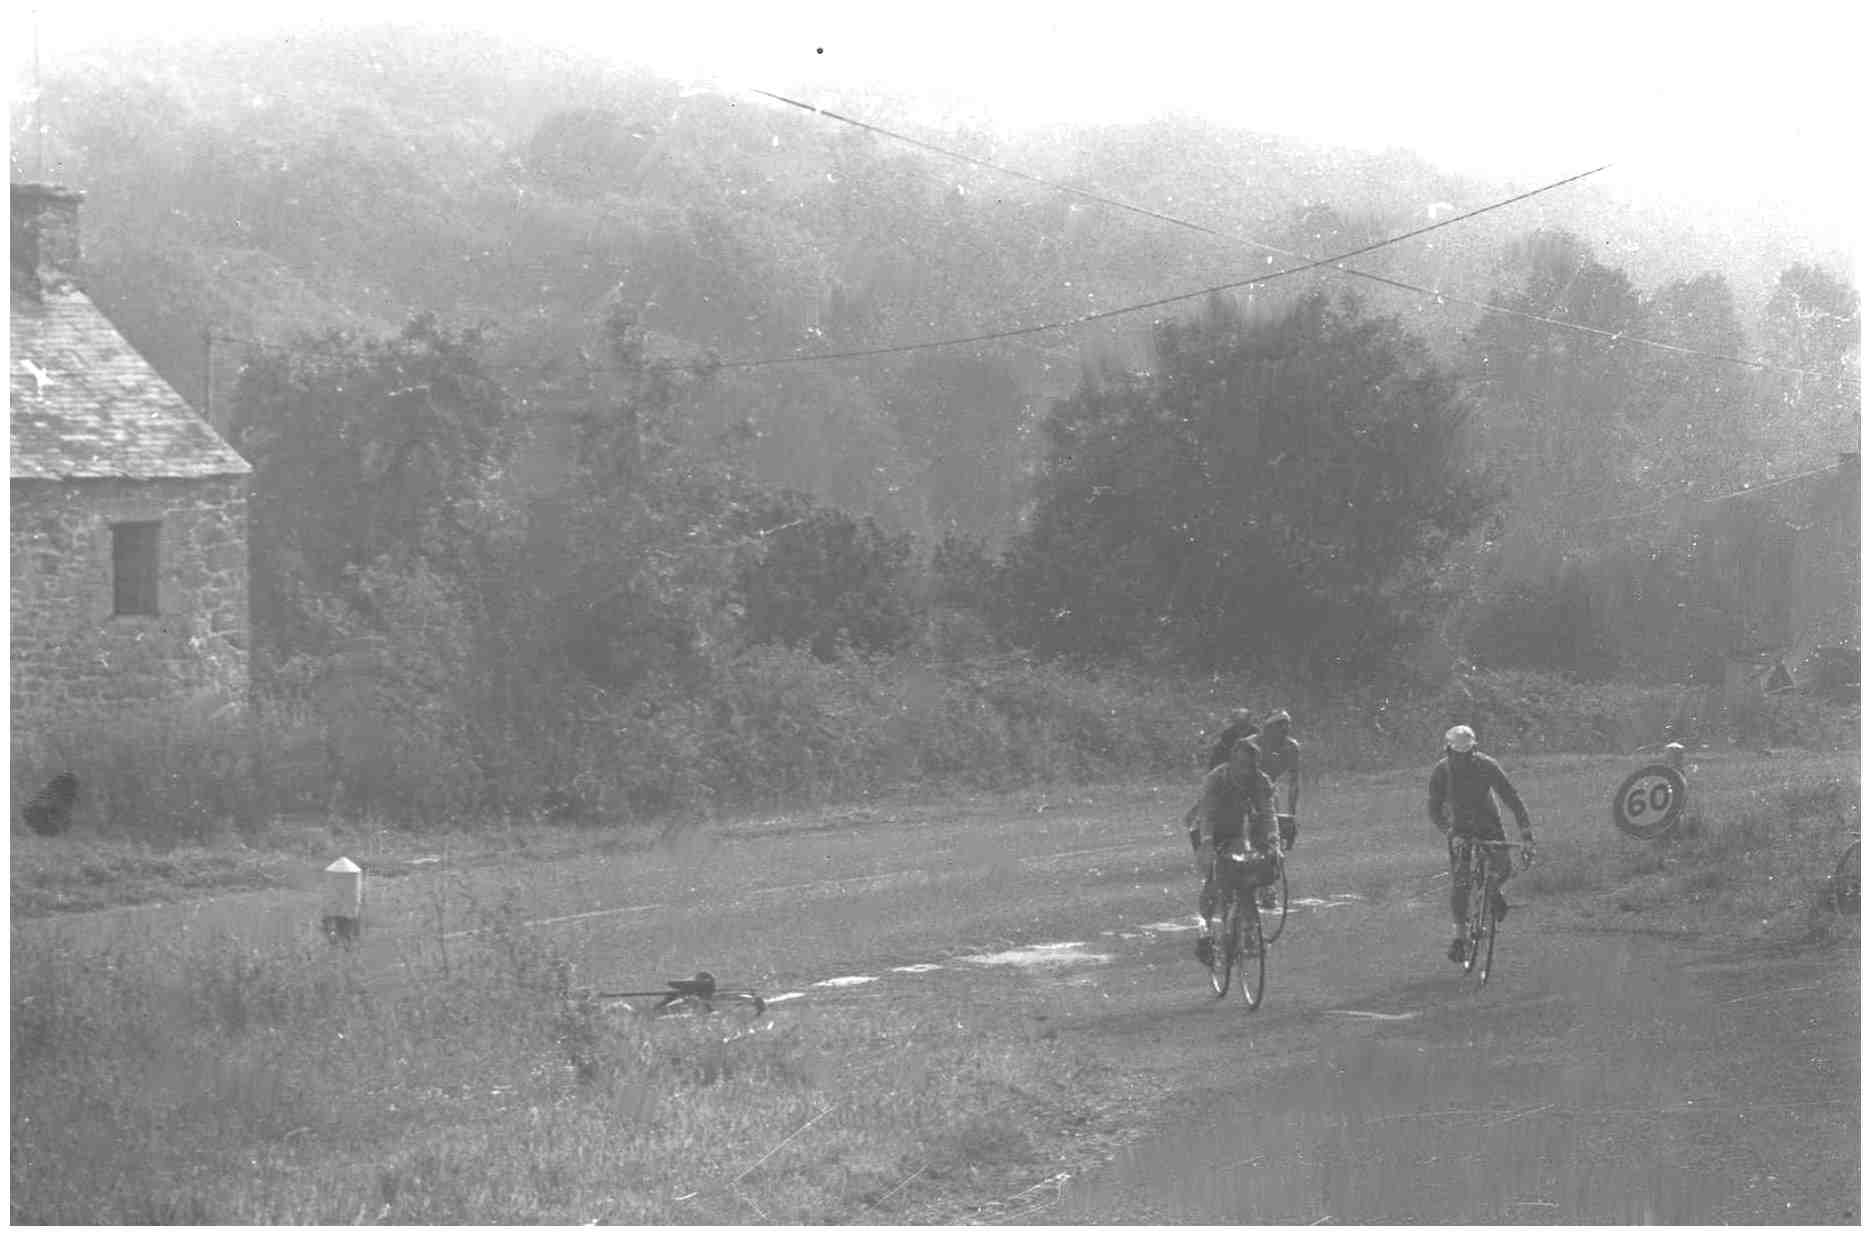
(1650, 801)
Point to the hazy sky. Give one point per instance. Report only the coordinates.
(1747, 111)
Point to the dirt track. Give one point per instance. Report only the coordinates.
(1607, 1073)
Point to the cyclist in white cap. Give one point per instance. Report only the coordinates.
(1461, 806)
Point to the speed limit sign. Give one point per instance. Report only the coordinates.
(1650, 801)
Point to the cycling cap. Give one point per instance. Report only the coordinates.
(1460, 738)
(1280, 717)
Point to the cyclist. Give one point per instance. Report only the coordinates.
(1461, 806)
(1279, 756)
(1240, 725)
(1234, 793)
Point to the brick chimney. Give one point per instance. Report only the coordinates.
(45, 238)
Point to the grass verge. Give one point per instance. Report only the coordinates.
(1752, 856)
(203, 1082)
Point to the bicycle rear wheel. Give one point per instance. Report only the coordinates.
(1221, 956)
(1251, 958)
(1274, 919)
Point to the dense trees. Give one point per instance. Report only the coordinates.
(821, 579)
(1695, 424)
(1303, 462)
(367, 453)
(1811, 324)
(1266, 493)
(1560, 403)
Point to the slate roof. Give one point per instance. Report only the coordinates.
(83, 403)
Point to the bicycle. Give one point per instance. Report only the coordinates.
(1239, 946)
(690, 995)
(1478, 933)
(1273, 918)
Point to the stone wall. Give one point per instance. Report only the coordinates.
(72, 654)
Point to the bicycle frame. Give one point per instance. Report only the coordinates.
(1483, 884)
(1240, 946)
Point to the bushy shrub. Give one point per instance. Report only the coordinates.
(167, 777)
(1548, 626)
(821, 577)
(1799, 719)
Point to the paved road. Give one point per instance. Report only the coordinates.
(1602, 1076)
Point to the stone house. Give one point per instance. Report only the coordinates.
(129, 512)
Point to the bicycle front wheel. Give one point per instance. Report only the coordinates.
(1481, 920)
(1274, 917)
(1251, 960)
(1221, 955)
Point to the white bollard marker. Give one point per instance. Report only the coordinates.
(344, 901)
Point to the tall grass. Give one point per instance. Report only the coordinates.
(1755, 849)
(205, 1082)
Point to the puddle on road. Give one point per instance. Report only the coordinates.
(1182, 926)
(921, 967)
(849, 980)
(785, 996)
(1067, 954)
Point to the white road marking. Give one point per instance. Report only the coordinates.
(1373, 1016)
(1061, 953)
(1040, 955)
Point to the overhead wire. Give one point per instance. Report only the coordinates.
(1332, 263)
(1102, 314)
(1746, 491)
(1158, 302)
(1335, 264)
(1064, 324)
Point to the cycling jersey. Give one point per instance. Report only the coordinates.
(1226, 802)
(1466, 790)
(1278, 758)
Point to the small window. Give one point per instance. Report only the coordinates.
(134, 556)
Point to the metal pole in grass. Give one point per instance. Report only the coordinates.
(344, 902)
